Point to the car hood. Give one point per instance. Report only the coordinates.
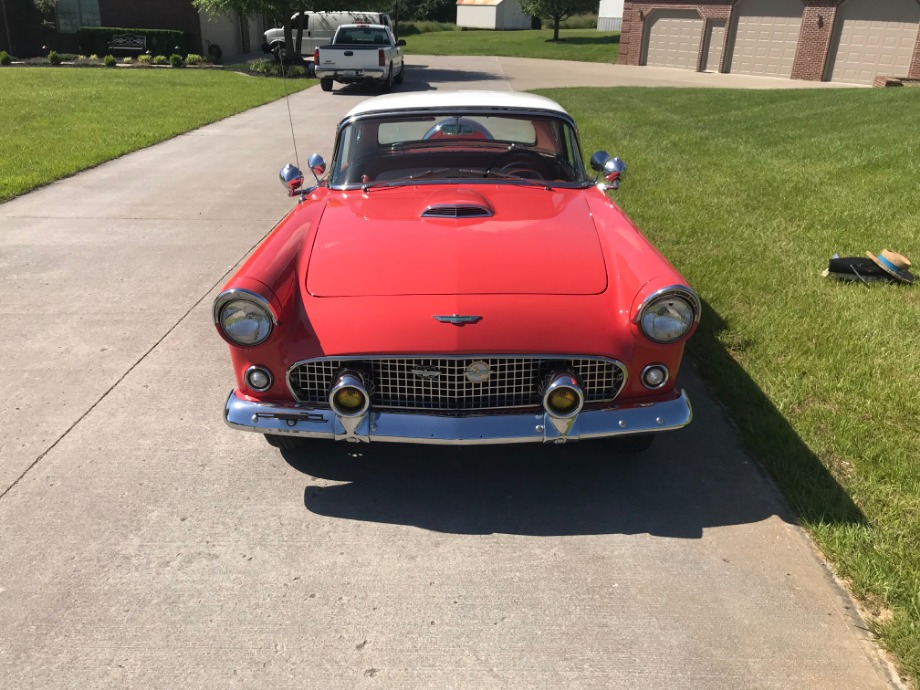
(522, 240)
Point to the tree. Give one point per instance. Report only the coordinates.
(557, 10)
(283, 10)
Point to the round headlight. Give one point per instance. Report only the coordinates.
(245, 322)
(667, 317)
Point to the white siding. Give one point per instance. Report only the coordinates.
(510, 16)
(223, 30)
(477, 16)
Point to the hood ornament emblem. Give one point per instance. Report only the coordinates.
(457, 319)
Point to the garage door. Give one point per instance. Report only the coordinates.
(766, 37)
(873, 38)
(673, 39)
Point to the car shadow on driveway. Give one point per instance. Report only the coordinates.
(690, 480)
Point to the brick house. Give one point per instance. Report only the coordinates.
(234, 34)
(850, 41)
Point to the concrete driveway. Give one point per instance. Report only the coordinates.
(146, 545)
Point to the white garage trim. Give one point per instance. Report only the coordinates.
(673, 39)
(871, 38)
(765, 37)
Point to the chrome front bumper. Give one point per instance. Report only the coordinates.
(398, 427)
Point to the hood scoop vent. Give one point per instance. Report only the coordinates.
(457, 211)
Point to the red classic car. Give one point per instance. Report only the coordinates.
(456, 277)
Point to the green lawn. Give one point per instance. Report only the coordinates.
(585, 45)
(62, 120)
(749, 193)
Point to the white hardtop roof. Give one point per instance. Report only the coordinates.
(471, 100)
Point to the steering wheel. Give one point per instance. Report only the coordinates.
(522, 163)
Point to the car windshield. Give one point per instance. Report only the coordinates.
(389, 150)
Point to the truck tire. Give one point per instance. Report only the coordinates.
(277, 52)
(388, 82)
(399, 77)
(325, 84)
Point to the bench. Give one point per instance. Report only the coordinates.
(129, 42)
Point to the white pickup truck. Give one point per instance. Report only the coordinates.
(360, 54)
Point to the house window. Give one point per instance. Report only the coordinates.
(72, 14)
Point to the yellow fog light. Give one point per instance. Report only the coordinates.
(564, 397)
(348, 396)
(348, 399)
(562, 400)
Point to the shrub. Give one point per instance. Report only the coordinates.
(128, 60)
(268, 68)
(54, 58)
(109, 61)
(143, 59)
(424, 27)
(93, 57)
(192, 59)
(96, 39)
(176, 60)
(578, 21)
(5, 58)
(160, 60)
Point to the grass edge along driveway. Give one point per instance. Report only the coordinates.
(63, 120)
(749, 193)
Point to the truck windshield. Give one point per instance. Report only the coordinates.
(448, 147)
(362, 36)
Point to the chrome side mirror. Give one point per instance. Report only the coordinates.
(292, 178)
(612, 168)
(598, 159)
(613, 172)
(317, 165)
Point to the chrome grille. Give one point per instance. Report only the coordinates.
(440, 384)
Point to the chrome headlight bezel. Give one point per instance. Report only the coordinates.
(680, 293)
(261, 305)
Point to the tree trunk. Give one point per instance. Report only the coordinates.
(298, 44)
(556, 29)
(285, 55)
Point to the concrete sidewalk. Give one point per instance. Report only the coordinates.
(146, 545)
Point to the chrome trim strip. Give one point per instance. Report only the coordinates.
(266, 418)
(240, 293)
